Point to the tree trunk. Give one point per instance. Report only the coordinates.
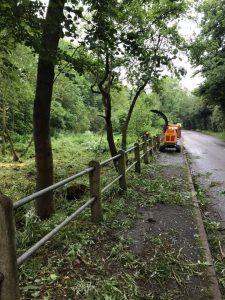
(28, 147)
(106, 99)
(124, 137)
(3, 128)
(13, 151)
(109, 127)
(129, 114)
(45, 205)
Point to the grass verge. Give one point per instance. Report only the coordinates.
(220, 135)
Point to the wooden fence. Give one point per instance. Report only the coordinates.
(9, 288)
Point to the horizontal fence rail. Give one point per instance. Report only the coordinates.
(130, 149)
(48, 236)
(142, 156)
(105, 162)
(131, 166)
(27, 199)
(111, 183)
(94, 171)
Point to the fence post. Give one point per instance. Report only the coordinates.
(150, 144)
(137, 158)
(155, 143)
(122, 170)
(158, 141)
(95, 191)
(9, 288)
(145, 150)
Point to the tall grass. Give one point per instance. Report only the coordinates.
(220, 135)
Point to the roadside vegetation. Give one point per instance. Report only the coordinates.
(215, 234)
(220, 135)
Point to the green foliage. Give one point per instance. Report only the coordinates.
(18, 96)
(180, 105)
(208, 51)
(71, 152)
(127, 28)
(154, 43)
(19, 22)
(142, 120)
(217, 119)
(120, 105)
(68, 106)
(73, 107)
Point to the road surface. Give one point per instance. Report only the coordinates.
(208, 164)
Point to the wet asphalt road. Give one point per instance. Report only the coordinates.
(208, 164)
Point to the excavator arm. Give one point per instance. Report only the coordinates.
(158, 112)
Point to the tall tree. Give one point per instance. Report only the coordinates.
(153, 44)
(136, 36)
(52, 31)
(105, 46)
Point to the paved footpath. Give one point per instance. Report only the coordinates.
(181, 220)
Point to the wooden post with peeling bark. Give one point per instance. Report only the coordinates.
(145, 150)
(150, 144)
(137, 158)
(158, 141)
(9, 288)
(95, 191)
(155, 143)
(122, 170)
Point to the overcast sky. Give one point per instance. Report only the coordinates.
(189, 29)
(189, 81)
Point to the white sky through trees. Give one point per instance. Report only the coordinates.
(189, 29)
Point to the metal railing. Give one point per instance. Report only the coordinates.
(38, 194)
(96, 191)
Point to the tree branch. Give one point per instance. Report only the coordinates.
(102, 116)
(60, 72)
(100, 84)
(94, 91)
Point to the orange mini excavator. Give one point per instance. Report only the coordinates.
(171, 133)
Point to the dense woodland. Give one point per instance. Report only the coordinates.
(70, 67)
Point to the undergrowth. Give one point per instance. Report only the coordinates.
(71, 154)
(220, 135)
